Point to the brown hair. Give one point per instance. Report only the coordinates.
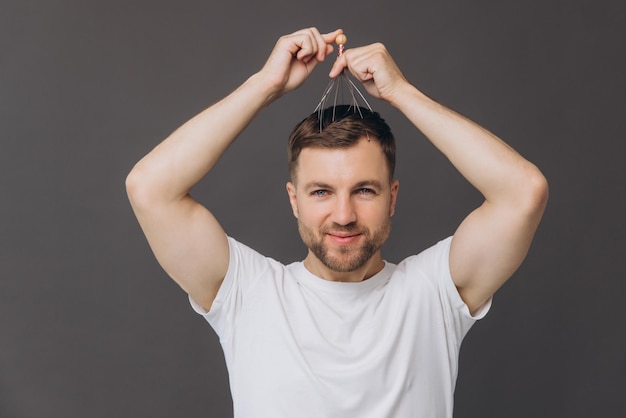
(341, 126)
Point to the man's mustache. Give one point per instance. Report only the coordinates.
(351, 228)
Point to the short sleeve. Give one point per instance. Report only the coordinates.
(434, 263)
(244, 266)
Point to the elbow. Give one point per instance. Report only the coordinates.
(147, 190)
(536, 191)
(131, 184)
(137, 188)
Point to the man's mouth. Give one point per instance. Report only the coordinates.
(343, 238)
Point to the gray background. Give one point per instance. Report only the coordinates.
(91, 327)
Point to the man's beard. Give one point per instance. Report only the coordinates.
(346, 258)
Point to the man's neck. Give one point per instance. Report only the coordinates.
(369, 269)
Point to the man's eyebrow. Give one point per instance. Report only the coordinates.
(369, 183)
(317, 185)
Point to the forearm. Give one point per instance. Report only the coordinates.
(490, 165)
(171, 169)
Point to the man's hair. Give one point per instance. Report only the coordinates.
(341, 126)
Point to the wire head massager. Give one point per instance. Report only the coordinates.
(341, 89)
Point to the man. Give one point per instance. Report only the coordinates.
(344, 333)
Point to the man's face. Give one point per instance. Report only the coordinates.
(343, 201)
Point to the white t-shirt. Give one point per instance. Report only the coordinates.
(299, 346)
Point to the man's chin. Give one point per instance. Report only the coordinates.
(342, 263)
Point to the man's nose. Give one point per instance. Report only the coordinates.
(343, 211)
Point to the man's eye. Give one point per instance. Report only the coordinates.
(366, 191)
(320, 193)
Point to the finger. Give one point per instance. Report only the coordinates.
(362, 66)
(362, 62)
(328, 39)
(352, 60)
(331, 36)
(321, 44)
(308, 44)
(338, 66)
(318, 43)
(310, 41)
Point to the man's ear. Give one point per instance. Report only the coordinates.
(395, 185)
(291, 191)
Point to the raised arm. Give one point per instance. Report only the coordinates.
(186, 239)
(493, 240)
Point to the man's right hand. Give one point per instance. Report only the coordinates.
(294, 57)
